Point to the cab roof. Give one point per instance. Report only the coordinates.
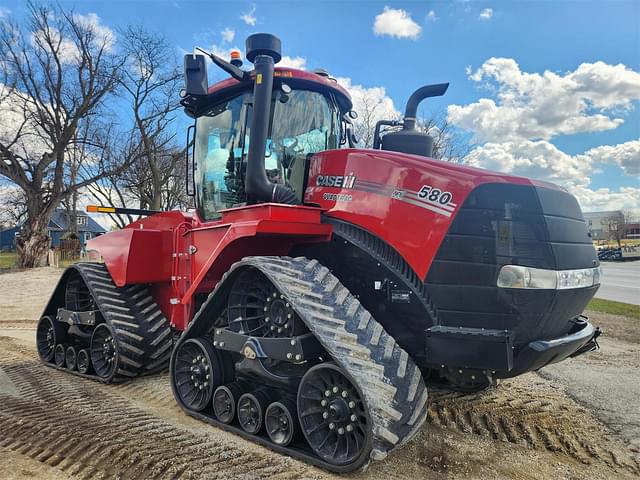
(296, 78)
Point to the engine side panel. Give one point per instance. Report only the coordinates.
(406, 200)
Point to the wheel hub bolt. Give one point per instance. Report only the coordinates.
(352, 404)
(341, 431)
(327, 393)
(265, 309)
(349, 428)
(298, 357)
(323, 403)
(325, 415)
(290, 356)
(335, 389)
(332, 426)
(353, 418)
(275, 294)
(345, 394)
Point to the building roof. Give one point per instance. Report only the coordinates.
(60, 221)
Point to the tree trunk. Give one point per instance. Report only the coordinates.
(33, 244)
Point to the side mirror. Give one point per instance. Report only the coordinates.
(195, 75)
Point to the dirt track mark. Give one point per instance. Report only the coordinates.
(92, 431)
(542, 421)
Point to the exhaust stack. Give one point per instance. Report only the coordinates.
(409, 140)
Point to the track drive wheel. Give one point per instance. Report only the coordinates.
(71, 357)
(333, 416)
(199, 370)
(281, 422)
(49, 333)
(83, 361)
(104, 352)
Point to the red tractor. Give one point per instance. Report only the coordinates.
(317, 286)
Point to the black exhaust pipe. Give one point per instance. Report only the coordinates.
(409, 140)
(264, 51)
(416, 97)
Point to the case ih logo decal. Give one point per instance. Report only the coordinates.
(338, 181)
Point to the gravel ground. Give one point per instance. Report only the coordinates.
(575, 420)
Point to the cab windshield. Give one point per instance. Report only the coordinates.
(306, 123)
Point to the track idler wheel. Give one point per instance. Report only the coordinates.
(225, 399)
(49, 333)
(198, 371)
(83, 361)
(251, 410)
(71, 357)
(333, 417)
(104, 351)
(60, 355)
(281, 422)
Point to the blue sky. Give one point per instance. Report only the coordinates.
(590, 51)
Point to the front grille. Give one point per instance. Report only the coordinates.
(506, 224)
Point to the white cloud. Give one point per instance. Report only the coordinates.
(431, 16)
(533, 159)
(293, 62)
(486, 14)
(228, 34)
(540, 106)
(371, 104)
(625, 155)
(68, 51)
(542, 160)
(4, 12)
(249, 17)
(396, 23)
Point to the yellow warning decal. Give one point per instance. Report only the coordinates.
(259, 78)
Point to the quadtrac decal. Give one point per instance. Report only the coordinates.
(428, 197)
(337, 181)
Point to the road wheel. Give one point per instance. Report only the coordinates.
(48, 334)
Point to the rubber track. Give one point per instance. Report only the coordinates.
(389, 380)
(142, 333)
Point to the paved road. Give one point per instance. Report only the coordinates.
(620, 282)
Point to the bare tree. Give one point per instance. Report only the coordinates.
(152, 81)
(449, 143)
(58, 68)
(371, 108)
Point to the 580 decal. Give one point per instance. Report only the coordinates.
(435, 195)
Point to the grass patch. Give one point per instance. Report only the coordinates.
(8, 259)
(614, 308)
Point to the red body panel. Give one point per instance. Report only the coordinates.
(382, 198)
(182, 256)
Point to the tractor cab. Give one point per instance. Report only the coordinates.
(306, 113)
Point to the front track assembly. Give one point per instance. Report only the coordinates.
(333, 389)
(96, 330)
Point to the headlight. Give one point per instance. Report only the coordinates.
(516, 276)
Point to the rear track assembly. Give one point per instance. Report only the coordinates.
(361, 365)
(118, 334)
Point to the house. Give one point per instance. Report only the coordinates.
(59, 225)
(8, 238)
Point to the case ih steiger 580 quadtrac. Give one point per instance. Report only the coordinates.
(317, 286)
